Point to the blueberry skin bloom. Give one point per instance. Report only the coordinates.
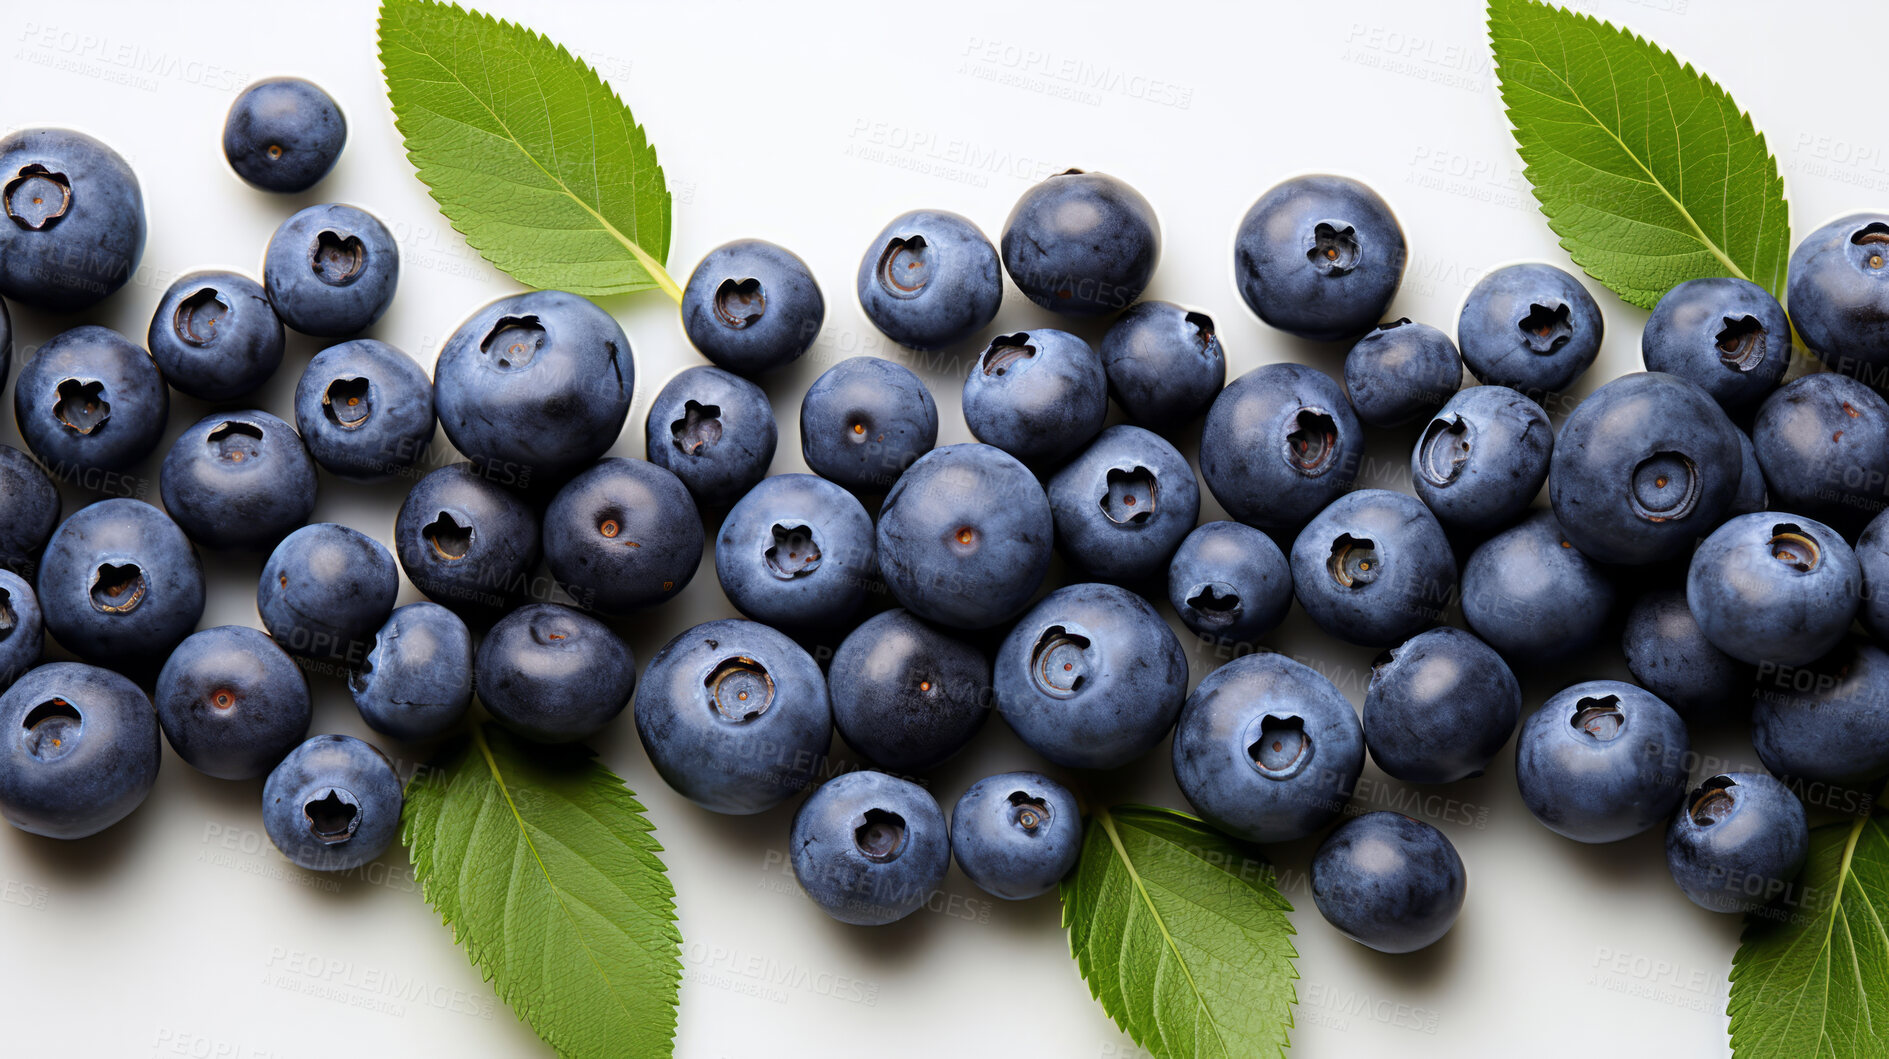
(365, 410)
(1481, 460)
(870, 848)
(325, 590)
(22, 628)
(1400, 371)
(1827, 722)
(1229, 583)
(735, 716)
(467, 541)
(1374, 568)
(1532, 327)
(91, 399)
(1081, 244)
(1601, 761)
(796, 553)
(1320, 257)
(283, 134)
(120, 583)
(1091, 677)
(417, 681)
(331, 270)
(1644, 467)
(1164, 364)
(752, 306)
(1388, 882)
(1728, 335)
(1439, 707)
(215, 335)
(1737, 842)
(1839, 292)
(1668, 655)
(866, 420)
(231, 702)
(332, 804)
(238, 482)
(1038, 395)
(31, 501)
(1532, 595)
(1016, 834)
(81, 751)
(905, 694)
(1124, 505)
(1773, 587)
(965, 536)
(1267, 749)
(76, 219)
(623, 535)
(929, 279)
(552, 674)
(1280, 444)
(1872, 554)
(712, 429)
(1823, 443)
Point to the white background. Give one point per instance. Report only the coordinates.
(182, 932)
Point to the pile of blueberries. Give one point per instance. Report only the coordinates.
(1744, 511)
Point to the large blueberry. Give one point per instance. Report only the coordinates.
(283, 134)
(332, 804)
(1081, 244)
(239, 481)
(1823, 443)
(1319, 256)
(90, 399)
(365, 410)
(120, 583)
(1280, 443)
(1839, 293)
(1164, 364)
(906, 694)
(1529, 326)
(1827, 722)
(1374, 568)
(796, 553)
(870, 848)
(1774, 587)
(553, 674)
(1737, 842)
(80, 751)
(1602, 761)
(1728, 335)
(215, 335)
(1388, 881)
(31, 502)
(231, 702)
(929, 279)
(1038, 395)
(1872, 554)
(714, 430)
(467, 541)
(22, 628)
(864, 421)
(331, 270)
(1016, 834)
(75, 218)
(1400, 371)
(325, 590)
(1439, 706)
(623, 535)
(1124, 505)
(416, 681)
(752, 306)
(1668, 655)
(1482, 459)
(1229, 583)
(1530, 594)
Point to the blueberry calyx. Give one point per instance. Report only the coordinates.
(1059, 663)
(197, 316)
(117, 588)
(52, 729)
(1354, 562)
(80, 405)
(1131, 495)
(1445, 448)
(1599, 718)
(1872, 236)
(1006, 352)
(1029, 813)
(38, 198)
(1311, 443)
(336, 258)
(698, 429)
(333, 815)
(1712, 802)
(1278, 746)
(451, 539)
(1794, 548)
(740, 303)
(346, 403)
(1547, 326)
(234, 442)
(740, 689)
(514, 342)
(795, 551)
(1334, 250)
(904, 266)
(1203, 331)
(879, 835)
(1665, 486)
(1741, 343)
(1215, 603)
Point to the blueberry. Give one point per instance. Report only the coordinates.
(1532, 595)
(734, 716)
(553, 674)
(22, 628)
(1280, 444)
(1388, 882)
(866, 420)
(6, 342)
(929, 279)
(1320, 257)
(965, 536)
(1038, 395)
(1016, 834)
(1373, 568)
(91, 400)
(1645, 466)
(1400, 371)
(712, 429)
(1839, 292)
(1532, 327)
(869, 848)
(1752, 495)
(1872, 554)
(1081, 244)
(325, 591)
(796, 553)
(1439, 707)
(239, 481)
(416, 682)
(1773, 587)
(1124, 505)
(1164, 364)
(120, 583)
(1482, 459)
(535, 384)
(283, 134)
(1669, 656)
(1602, 761)
(365, 410)
(31, 503)
(751, 307)
(215, 336)
(1229, 583)
(1737, 842)
(332, 804)
(467, 541)
(331, 270)
(1827, 722)
(77, 216)
(1267, 749)
(1091, 677)
(1728, 335)
(83, 752)
(231, 702)
(1823, 443)
(623, 535)
(905, 694)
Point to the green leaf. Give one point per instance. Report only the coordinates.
(1815, 983)
(527, 151)
(1181, 935)
(543, 864)
(1646, 169)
